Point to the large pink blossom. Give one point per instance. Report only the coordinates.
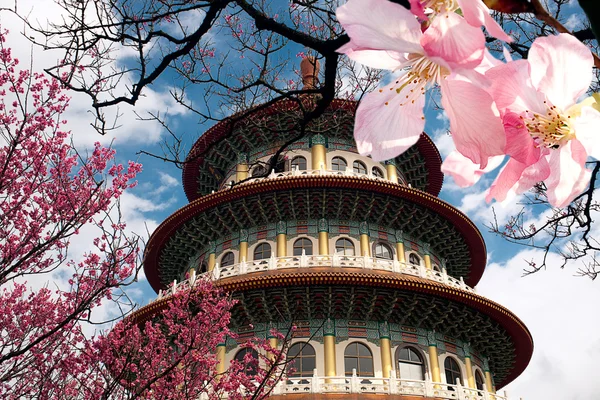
(475, 13)
(390, 120)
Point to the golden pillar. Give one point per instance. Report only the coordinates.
(386, 356)
(243, 251)
(241, 172)
(318, 152)
(365, 249)
(273, 342)
(400, 252)
(470, 377)
(212, 258)
(221, 358)
(329, 344)
(435, 364)
(427, 259)
(281, 245)
(488, 382)
(323, 243)
(392, 173)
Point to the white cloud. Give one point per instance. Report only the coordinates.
(560, 311)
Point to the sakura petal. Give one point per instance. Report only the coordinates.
(569, 177)
(561, 67)
(519, 143)
(451, 38)
(416, 7)
(586, 129)
(375, 58)
(516, 178)
(379, 25)
(477, 14)
(512, 88)
(385, 131)
(464, 171)
(477, 135)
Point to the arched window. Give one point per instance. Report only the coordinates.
(227, 259)
(383, 251)
(414, 259)
(262, 251)
(203, 267)
(478, 380)
(358, 356)
(303, 244)
(338, 164)
(344, 247)
(299, 163)
(359, 167)
(410, 364)
(302, 359)
(259, 170)
(377, 172)
(252, 364)
(452, 371)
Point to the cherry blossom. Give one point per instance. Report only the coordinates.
(390, 120)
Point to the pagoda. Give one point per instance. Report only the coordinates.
(376, 273)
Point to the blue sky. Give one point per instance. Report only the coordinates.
(559, 309)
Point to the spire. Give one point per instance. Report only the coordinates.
(309, 68)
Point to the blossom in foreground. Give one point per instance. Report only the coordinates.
(549, 136)
(475, 12)
(387, 35)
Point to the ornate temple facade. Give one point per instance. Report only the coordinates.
(376, 273)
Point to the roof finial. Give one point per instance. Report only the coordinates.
(309, 68)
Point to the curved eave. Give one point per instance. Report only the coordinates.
(516, 329)
(221, 130)
(470, 233)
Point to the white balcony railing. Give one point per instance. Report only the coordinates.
(333, 261)
(391, 386)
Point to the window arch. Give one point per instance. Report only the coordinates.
(262, 251)
(383, 251)
(203, 267)
(479, 382)
(259, 170)
(452, 371)
(227, 259)
(299, 163)
(359, 167)
(377, 172)
(414, 259)
(410, 364)
(303, 360)
(436, 268)
(358, 356)
(303, 244)
(250, 367)
(344, 247)
(338, 164)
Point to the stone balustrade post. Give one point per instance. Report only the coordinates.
(315, 386)
(354, 382)
(303, 259)
(272, 263)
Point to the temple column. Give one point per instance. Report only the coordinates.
(426, 256)
(365, 248)
(392, 172)
(323, 237)
(318, 152)
(385, 346)
(281, 239)
(469, 368)
(434, 360)
(489, 383)
(241, 171)
(243, 245)
(274, 343)
(400, 247)
(212, 257)
(221, 358)
(329, 348)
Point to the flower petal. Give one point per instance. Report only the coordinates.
(569, 177)
(375, 58)
(379, 25)
(519, 143)
(512, 88)
(477, 14)
(416, 7)
(385, 131)
(451, 38)
(516, 178)
(561, 68)
(464, 171)
(479, 134)
(586, 130)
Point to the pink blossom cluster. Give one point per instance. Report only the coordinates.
(528, 112)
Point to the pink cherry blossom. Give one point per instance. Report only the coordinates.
(387, 35)
(475, 13)
(549, 135)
